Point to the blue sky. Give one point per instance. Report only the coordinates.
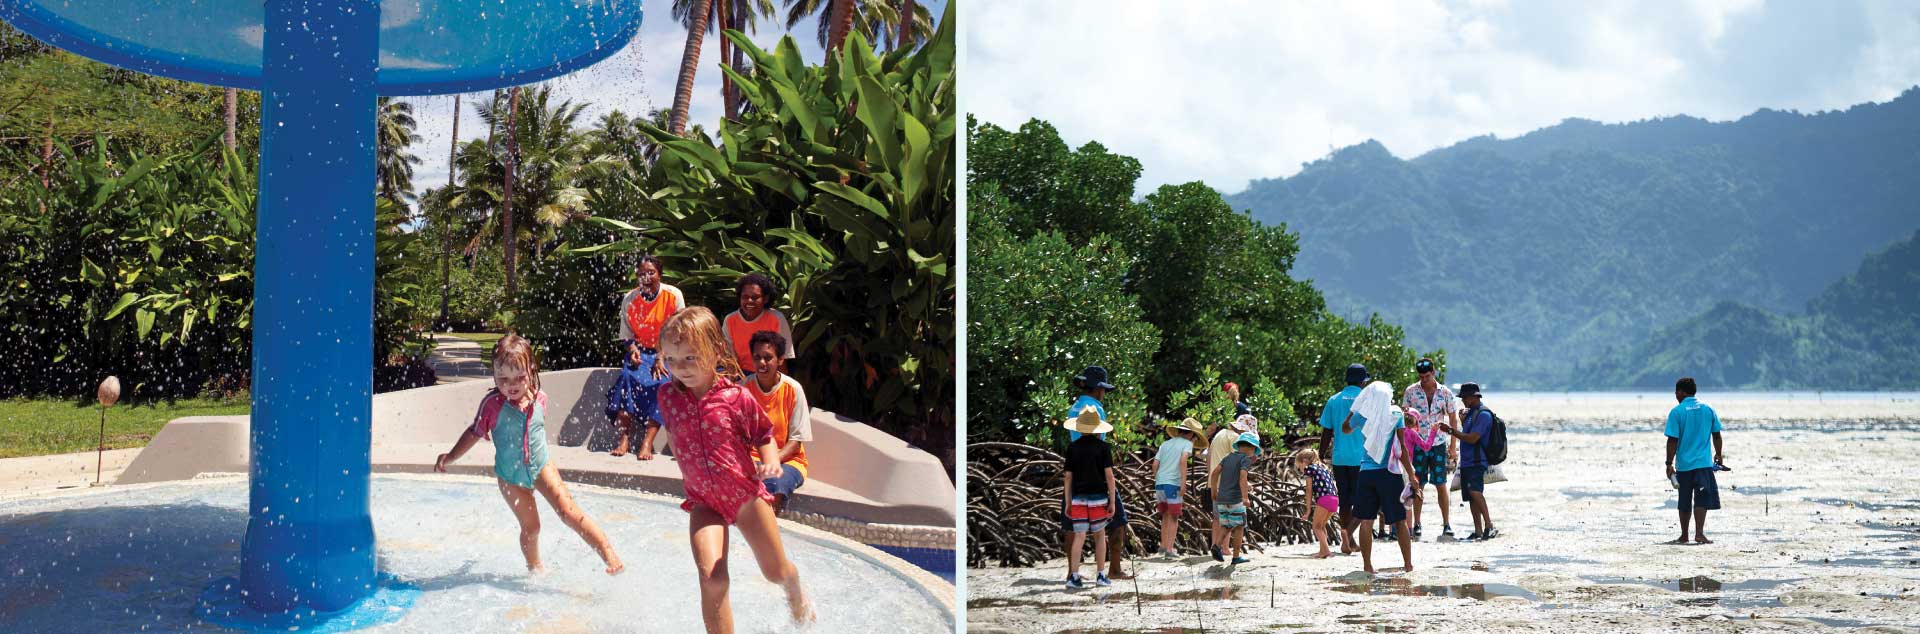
(639, 78)
(1244, 90)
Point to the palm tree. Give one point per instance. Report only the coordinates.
(550, 158)
(695, 19)
(393, 163)
(738, 15)
(446, 242)
(880, 21)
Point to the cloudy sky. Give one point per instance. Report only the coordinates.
(636, 80)
(1242, 90)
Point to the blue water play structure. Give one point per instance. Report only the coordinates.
(320, 64)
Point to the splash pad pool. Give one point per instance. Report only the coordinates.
(131, 557)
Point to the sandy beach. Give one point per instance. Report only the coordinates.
(1820, 529)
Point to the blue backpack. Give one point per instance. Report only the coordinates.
(1494, 443)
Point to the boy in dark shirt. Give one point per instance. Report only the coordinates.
(1090, 495)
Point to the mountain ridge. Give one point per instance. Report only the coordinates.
(1524, 257)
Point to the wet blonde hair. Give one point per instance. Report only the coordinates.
(1306, 454)
(514, 351)
(698, 327)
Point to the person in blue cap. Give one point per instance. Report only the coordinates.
(1230, 490)
(1094, 385)
(1344, 449)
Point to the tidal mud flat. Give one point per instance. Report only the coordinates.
(1819, 530)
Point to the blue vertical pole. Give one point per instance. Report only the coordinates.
(309, 537)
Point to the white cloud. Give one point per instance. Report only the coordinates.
(1253, 89)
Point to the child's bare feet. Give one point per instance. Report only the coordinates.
(1682, 541)
(797, 604)
(1701, 539)
(614, 565)
(1323, 555)
(537, 570)
(621, 449)
(645, 453)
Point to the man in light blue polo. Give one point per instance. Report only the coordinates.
(1690, 461)
(1347, 449)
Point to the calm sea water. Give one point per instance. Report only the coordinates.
(1849, 397)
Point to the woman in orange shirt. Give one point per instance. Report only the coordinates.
(755, 316)
(643, 311)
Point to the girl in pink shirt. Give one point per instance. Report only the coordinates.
(714, 421)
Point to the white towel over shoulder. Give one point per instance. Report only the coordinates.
(1375, 404)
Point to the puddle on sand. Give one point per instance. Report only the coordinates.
(1536, 562)
(1874, 562)
(1222, 593)
(1581, 494)
(1829, 622)
(1380, 626)
(1092, 599)
(1401, 586)
(1737, 595)
(1875, 507)
(1894, 531)
(1761, 490)
(1021, 604)
(1294, 628)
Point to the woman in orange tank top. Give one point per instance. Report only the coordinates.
(632, 401)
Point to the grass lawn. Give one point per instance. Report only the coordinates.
(485, 339)
(33, 427)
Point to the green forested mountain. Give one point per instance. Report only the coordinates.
(1526, 257)
(1862, 333)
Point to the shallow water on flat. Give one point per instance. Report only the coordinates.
(1801, 538)
(122, 560)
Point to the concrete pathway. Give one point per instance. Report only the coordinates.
(39, 474)
(454, 359)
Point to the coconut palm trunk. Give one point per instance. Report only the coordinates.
(689, 64)
(506, 200)
(446, 219)
(739, 65)
(906, 25)
(46, 158)
(720, 16)
(233, 116)
(842, 22)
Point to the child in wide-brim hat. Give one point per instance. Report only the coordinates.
(1170, 478)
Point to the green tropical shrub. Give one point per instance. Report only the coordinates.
(1174, 293)
(838, 182)
(153, 280)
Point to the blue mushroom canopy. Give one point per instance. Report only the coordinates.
(426, 47)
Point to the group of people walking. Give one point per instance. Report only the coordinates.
(1379, 459)
(737, 424)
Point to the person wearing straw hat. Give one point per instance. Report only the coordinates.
(1219, 449)
(1090, 494)
(1094, 386)
(1230, 493)
(1170, 479)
